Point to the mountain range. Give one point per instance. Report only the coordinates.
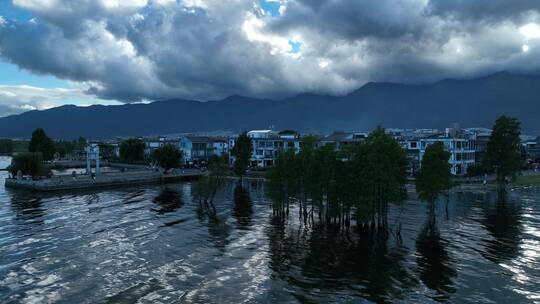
(469, 102)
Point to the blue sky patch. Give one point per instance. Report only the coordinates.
(295, 46)
(10, 74)
(8, 11)
(271, 7)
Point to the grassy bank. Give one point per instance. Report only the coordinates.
(529, 180)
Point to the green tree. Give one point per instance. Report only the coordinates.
(20, 146)
(106, 151)
(364, 178)
(6, 146)
(503, 150)
(81, 143)
(284, 180)
(132, 150)
(207, 187)
(168, 157)
(64, 147)
(434, 176)
(40, 142)
(242, 153)
(29, 163)
(380, 166)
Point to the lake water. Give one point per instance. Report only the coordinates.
(154, 244)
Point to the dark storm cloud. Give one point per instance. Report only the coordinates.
(354, 19)
(134, 50)
(477, 10)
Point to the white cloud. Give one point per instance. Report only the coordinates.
(16, 99)
(530, 31)
(207, 49)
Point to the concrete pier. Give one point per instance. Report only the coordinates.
(128, 178)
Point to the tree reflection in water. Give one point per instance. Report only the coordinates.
(436, 267)
(367, 262)
(502, 219)
(219, 230)
(242, 209)
(28, 207)
(168, 200)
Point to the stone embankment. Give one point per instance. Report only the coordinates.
(128, 178)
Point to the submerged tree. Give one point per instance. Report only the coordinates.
(207, 187)
(242, 153)
(168, 157)
(41, 143)
(503, 150)
(282, 181)
(380, 166)
(363, 178)
(434, 176)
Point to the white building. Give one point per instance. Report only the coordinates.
(342, 139)
(200, 148)
(267, 144)
(461, 146)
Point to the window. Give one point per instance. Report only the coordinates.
(413, 144)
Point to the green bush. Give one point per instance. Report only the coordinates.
(6, 146)
(132, 150)
(168, 157)
(29, 163)
(40, 142)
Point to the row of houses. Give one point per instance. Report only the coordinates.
(461, 144)
(267, 144)
(531, 149)
(196, 149)
(466, 146)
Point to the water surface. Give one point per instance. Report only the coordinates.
(155, 244)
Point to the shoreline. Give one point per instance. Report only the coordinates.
(105, 180)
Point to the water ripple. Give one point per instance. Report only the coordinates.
(157, 245)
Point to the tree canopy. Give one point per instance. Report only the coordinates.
(64, 148)
(132, 150)
(6, 146)
(503, 154)
(106, 151)
(207, 187)
(40, 142)
(434, 176)
(242, 154)
(168, 157)
(363, 178)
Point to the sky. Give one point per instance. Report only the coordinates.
(84, 52)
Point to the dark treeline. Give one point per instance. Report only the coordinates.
(359, 181)
(6, 146)
(356, 183)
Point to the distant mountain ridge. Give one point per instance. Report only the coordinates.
(471, 103)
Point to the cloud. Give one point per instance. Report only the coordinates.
(18, 99)
(484, 10)
(208, 49)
